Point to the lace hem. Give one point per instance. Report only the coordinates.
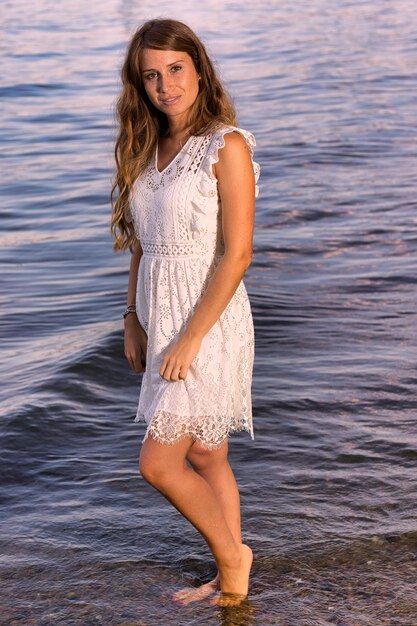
(165, 429)
(218, 142)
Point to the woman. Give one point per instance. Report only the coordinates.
(185, 209)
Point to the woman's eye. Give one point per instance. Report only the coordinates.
(174, 68)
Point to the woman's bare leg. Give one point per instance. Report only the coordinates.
(164, 467)
(213, 466)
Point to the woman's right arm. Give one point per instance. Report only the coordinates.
(135, 338)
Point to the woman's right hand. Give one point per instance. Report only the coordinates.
(136, 342)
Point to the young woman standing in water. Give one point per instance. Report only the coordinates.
(185, 209)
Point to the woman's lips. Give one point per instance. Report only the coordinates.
(169, 101)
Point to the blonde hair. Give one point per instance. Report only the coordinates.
(141, 123)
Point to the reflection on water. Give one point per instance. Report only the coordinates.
(328, 486)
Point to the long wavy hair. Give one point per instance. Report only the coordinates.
(141, 123)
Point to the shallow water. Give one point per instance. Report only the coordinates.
(328, 486)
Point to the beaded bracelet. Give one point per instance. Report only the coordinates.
(130, 309)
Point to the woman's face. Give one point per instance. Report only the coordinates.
(171, 82)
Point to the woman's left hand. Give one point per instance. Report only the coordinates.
(179, 357)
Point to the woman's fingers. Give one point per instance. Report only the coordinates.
(178, 359)
(136, 342)
(173, 370)
(137, 360)
(169, 369)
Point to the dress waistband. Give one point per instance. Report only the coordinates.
(177, 250)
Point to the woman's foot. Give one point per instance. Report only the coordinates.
(234, 582)
(191, 594)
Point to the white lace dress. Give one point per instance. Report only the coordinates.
(176, 214)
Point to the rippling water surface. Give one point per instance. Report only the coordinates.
(329, 485)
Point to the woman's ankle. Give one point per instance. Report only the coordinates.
(230, 560)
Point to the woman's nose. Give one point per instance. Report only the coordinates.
(164, 82)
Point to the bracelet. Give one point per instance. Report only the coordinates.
(130, 309)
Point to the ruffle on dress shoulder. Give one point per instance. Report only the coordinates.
(212, 157)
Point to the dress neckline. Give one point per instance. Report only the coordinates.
(173, 159)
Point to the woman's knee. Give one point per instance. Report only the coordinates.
(158, 464)
(149, 469)
(153, 470)
(203, 459)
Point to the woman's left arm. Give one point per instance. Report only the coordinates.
(236, 185)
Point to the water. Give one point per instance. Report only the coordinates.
(329, 485)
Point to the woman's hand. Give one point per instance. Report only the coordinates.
(179, 357)
(136, 342)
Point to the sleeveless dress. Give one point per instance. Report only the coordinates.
(176, 215)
